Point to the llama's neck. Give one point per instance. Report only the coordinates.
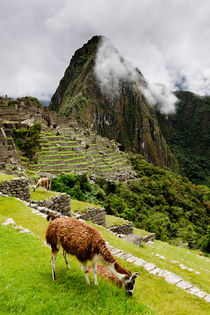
(118, 271)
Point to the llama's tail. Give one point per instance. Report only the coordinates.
(51, 217)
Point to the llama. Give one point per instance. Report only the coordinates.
(44, 182)
(87, 244)
(107, 275)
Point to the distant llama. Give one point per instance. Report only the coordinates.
(43, 182)
(87, 244)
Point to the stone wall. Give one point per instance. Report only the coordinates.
(18, 187)
(95, 215)
(134, 239)
(149, 237)
(122, 229)
(8, 152)
(60, 203)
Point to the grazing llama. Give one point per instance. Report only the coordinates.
(44, 182)
(106, 274)
(86, 243)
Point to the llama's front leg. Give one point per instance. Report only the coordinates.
(85, 269)
(65, 258)
(53, 259)
(94, 269)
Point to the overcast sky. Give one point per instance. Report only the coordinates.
(168, 40)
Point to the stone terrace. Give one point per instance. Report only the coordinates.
(71, 149)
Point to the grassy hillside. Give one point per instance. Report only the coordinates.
(158, 201)
(26, 268)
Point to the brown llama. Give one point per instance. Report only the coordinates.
(107, 275)
(43, 182)
(87, 244)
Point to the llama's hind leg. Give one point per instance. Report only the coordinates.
(94, 269)
(65, 258)
(85, 269)
(53, 259)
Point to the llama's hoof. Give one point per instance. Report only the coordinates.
(96, 283)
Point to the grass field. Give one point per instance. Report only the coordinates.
(27, 288)
(41, 194)
(6, 177)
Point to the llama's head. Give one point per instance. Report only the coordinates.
(129, 282)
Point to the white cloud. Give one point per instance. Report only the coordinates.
(166, 40)
(111, 68)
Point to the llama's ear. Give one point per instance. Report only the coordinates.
(135, 275)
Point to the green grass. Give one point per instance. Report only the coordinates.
(41, 194)
(140, 232)
(6, 177)
(26, 286)
(112, 220)
(81, 205)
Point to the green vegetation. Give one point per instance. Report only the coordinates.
(26, 269)
(77, 186)
(41, 194)
(140, 232)
(6, 177)
(27, 140)
(82, 206)
(187, 134)
(159, 201)
(112, 220)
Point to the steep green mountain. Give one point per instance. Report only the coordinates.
(127, 118)
(187, 134)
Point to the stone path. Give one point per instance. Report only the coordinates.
(182, 266)
(169, 277)
(20, 228)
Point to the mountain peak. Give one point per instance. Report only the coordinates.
(100, 90)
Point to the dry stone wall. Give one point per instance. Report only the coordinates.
(95, 215)
(122, 229)
(60, 203)
(18, 187)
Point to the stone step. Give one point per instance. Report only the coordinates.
(61, 142)
(61, 161)
(60, 156)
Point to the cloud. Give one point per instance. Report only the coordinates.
(111, 69)
(166, 40)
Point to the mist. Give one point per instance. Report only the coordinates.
(111, 69)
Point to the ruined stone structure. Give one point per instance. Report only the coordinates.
(95, 215)
(123, 228)
(60, 203)
(21, 114)
(18, 188)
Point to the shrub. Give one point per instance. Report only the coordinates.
(27, 140)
